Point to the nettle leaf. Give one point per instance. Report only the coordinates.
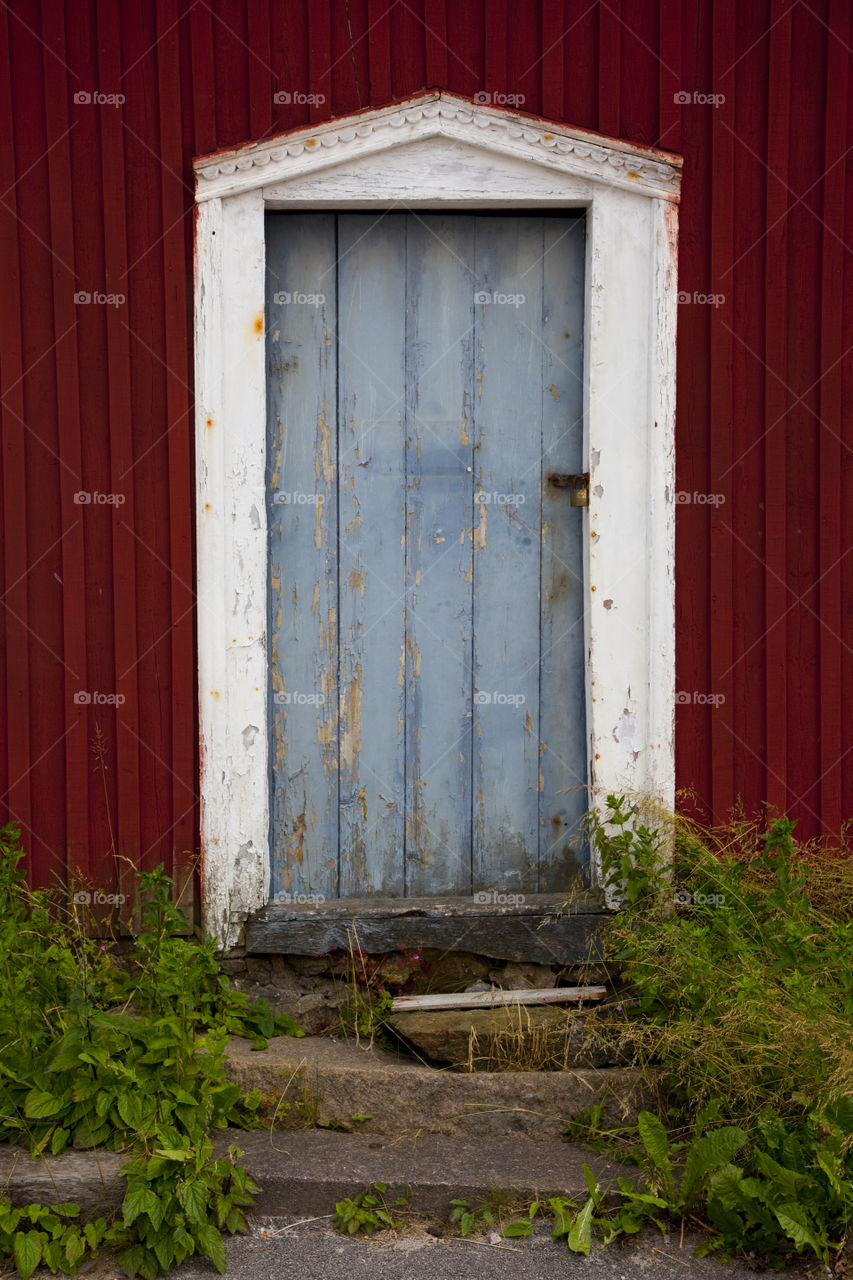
(193, 1196)
(210, 1243)
(710, 1152)
(27, 1251)
(39, 1104)
(142, 1200)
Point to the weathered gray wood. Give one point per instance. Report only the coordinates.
(507, 416)
(497, 996)
(302, 515)
(431, 591)
(440, 457)
(563, 750)
(372, 390)
(525, 931)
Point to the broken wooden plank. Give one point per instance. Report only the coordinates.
(498, 996)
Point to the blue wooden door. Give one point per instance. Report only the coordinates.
(426, 595)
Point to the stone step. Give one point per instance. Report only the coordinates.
(329, 1080)
(511, 1038)
(307, 1172)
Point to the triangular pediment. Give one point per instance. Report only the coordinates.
(435, 131)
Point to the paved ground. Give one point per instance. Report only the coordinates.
(313, 1251)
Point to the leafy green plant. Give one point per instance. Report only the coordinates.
(368, 1211)
(735, 950)
(132, 1059)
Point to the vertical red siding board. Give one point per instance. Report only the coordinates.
(290, 62)
(127, 819)
(640, 79)
(776, 403)
(692, 571)
(203, 79)
(846, 431)
(379, 52)
(726, 726)
(495, 41)
(580, 74)
(553, 89)
(802, 375)
(748, 82)
(41, 511)
(179, 425)
(348, 86)
(468, 30)
(522, 53)
(408, 65)
(260, 71)
(148, 534)
(320, 79)
(435, 25)
(17, 800)
(609, 68)
(669, 80)
(74, 854)
(233, 66)
(831, 426)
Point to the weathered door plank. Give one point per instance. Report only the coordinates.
(562, 714)
(439, 358)
(302, 514)
(507, 417)
(372, 390)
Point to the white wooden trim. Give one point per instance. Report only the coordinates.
(438, 150)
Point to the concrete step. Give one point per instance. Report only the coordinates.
(306, 1172)
(327, 1080)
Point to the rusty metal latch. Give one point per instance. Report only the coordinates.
(578, 484)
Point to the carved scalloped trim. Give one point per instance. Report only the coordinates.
(623, 159)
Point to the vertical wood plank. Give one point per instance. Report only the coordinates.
(372, 431)
(609, 68)
(124, 546)
(179, 437)
(70, 468)
(379, 49)
(439, 500)
(507, 422)
(723, 728)
(435, 37)
(553, 44)
(776, 403)
(303, 532)
(17, 800)
(669, 77)
(562, 699)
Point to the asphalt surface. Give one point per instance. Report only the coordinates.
(314, 1251)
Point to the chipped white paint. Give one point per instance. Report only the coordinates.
(432, 151)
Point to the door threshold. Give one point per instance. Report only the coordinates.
(544, 928)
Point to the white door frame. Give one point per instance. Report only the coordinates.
(437, 150)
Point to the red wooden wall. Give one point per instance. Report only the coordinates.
(97, 397)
